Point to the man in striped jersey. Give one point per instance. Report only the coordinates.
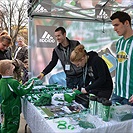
(124, 54)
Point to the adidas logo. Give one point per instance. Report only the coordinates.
(46, 37)
(102, 14)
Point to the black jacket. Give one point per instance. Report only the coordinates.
(22, 53)
(98, 76)
(5, 55)
(58, 53)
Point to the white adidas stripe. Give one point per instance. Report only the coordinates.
(47, 38)
(46, 35)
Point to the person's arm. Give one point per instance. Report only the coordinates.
(26, 53)
(20, 89)
(50, 66)
(101, 71)
(131, 99)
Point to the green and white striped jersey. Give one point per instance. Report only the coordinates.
(124, 69)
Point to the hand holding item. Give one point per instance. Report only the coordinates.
(75, 89)
(40, 76)
(83, 90)
(27, 83)
(131, 99)
(32, 82)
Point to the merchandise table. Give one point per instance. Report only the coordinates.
(35, 118)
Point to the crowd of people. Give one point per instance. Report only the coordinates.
(91, 74)
(11, 90)
(18, 56)
(88, 72)
(85, 71)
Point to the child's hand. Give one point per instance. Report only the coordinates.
(32, 82)
(75, 89)
(26, 83)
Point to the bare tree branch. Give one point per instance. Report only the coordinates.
(13, 16)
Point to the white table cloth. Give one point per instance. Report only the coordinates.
(37, 122)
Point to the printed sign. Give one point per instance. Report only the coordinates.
(45, 36)
(101, 13)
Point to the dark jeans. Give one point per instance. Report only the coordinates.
(74, 82)
(117, 99)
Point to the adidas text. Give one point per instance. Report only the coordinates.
(47, 40)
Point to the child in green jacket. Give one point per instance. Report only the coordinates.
(11, 91)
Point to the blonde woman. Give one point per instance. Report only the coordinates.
(96, 76)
